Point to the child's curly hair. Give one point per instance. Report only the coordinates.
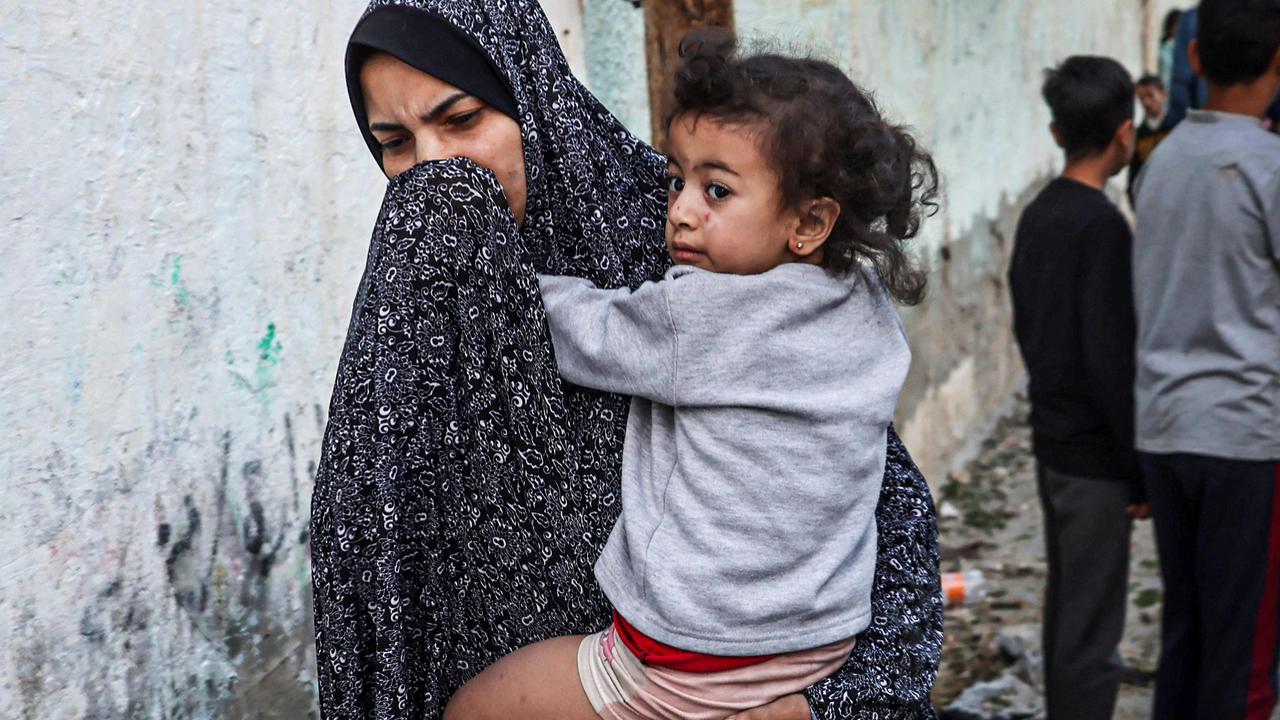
(824, 137)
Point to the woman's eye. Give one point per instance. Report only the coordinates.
(465, 119)
(718, 191)
(674, 184)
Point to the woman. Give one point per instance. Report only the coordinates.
(464, 491)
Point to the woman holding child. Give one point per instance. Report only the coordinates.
(465, 490)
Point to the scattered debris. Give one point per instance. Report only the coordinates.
(1006, 698)
(989, 517)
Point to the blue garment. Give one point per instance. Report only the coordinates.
(1187, 91)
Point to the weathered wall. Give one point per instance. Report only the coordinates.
(966, 75)
(614, 31)
(186, 206)
(186, 209)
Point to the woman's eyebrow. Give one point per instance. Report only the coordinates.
(443, 106)
(431, 116)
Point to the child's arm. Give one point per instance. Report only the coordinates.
(620, 341)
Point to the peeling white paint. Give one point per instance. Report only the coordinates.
(186, 208)
(186, 212)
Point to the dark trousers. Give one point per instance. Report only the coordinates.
(1218, 533)
(1087, 547)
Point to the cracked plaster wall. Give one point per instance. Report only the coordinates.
(186, 207)
(186, 210)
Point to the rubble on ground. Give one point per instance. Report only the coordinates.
(989, 517)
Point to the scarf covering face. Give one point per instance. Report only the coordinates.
(464, 492)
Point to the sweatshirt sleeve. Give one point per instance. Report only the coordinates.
(1110, 332)
(616, 340)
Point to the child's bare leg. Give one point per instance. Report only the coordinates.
(536, 682)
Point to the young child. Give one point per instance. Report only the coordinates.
(1206, 268)
(765, 368)
(1073, 319)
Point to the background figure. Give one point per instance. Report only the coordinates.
(1187, 89)
(1073, 319)
(1207, 290)
(1168, 34)
(1155, 125)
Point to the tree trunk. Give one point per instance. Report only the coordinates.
(665, 23)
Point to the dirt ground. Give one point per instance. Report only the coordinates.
(990, 520)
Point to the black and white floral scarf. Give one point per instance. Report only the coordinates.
(464, 492)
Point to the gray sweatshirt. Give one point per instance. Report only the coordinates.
(754, 452)
(1206, 287)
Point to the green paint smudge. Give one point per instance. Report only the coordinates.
(268, 352)
(269, 348)
(174, 261)
(175, 281)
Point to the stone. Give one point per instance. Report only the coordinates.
(1005, 698)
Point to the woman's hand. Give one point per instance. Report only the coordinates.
(787, 707)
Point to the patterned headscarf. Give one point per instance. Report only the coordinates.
(464, 491)
(596, 198)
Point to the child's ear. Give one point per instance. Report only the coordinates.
(815, 219)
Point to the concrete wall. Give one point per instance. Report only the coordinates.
(966, 75)
(186, 207)
(614, 31)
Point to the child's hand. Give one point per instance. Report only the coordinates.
(787, 707)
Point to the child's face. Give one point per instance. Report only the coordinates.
(1152, 99)
(723, 200)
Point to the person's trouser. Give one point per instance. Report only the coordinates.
(1087, 547)
(1218, 533)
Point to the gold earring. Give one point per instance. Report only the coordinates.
(800, 246)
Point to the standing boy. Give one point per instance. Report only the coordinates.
(1073, 318)
(1155, 127)
(1207, 291)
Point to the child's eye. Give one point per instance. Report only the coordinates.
(718, 191)
(675, 184)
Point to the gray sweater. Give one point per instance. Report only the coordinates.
(754, 450)
(1206, 287)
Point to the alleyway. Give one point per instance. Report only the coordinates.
(989, 516)
(990, 521)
